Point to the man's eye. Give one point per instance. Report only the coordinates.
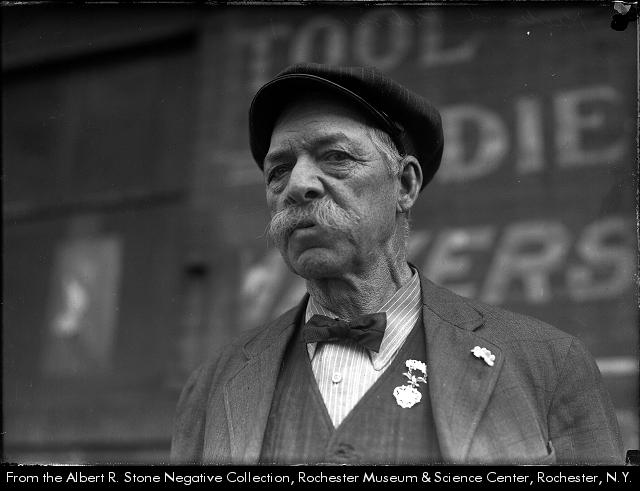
(277, 172)
(335, 156)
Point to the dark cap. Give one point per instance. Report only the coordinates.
(413, 123)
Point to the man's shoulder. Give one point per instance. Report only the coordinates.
(508, 324)
(232, 356)
(532, 343)
(491, 320)
(515, 333)
(202, 394)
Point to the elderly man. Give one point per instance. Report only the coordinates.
(376, 364)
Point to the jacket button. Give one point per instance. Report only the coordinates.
(346, 453)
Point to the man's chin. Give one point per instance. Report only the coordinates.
(316, 264)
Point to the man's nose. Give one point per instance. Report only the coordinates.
(304, 184)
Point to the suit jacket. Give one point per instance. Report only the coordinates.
(542, 401)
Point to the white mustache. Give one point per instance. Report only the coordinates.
(323, 212)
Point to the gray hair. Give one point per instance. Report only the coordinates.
(387, 148)
(392, 157)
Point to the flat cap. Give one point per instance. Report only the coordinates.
(413, 123)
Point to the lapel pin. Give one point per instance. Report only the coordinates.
(485, 354)
(409, 395)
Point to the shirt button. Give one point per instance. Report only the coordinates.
(336, 378)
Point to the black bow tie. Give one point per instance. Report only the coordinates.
(366, 330)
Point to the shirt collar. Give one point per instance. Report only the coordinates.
(402, 310)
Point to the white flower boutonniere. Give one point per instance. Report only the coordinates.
(409, 395)
(485, 354)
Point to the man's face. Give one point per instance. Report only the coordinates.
(331, 195)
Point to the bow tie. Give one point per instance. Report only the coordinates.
(366, 330)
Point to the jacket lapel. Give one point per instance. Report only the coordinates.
(460, 384)
(248, 394)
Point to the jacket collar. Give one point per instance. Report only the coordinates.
(449, 307)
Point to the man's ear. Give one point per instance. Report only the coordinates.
(410, 183)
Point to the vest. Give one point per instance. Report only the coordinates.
(376, 431)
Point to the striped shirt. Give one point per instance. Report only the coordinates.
(345, 371)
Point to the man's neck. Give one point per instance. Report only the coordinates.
(356, 294)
